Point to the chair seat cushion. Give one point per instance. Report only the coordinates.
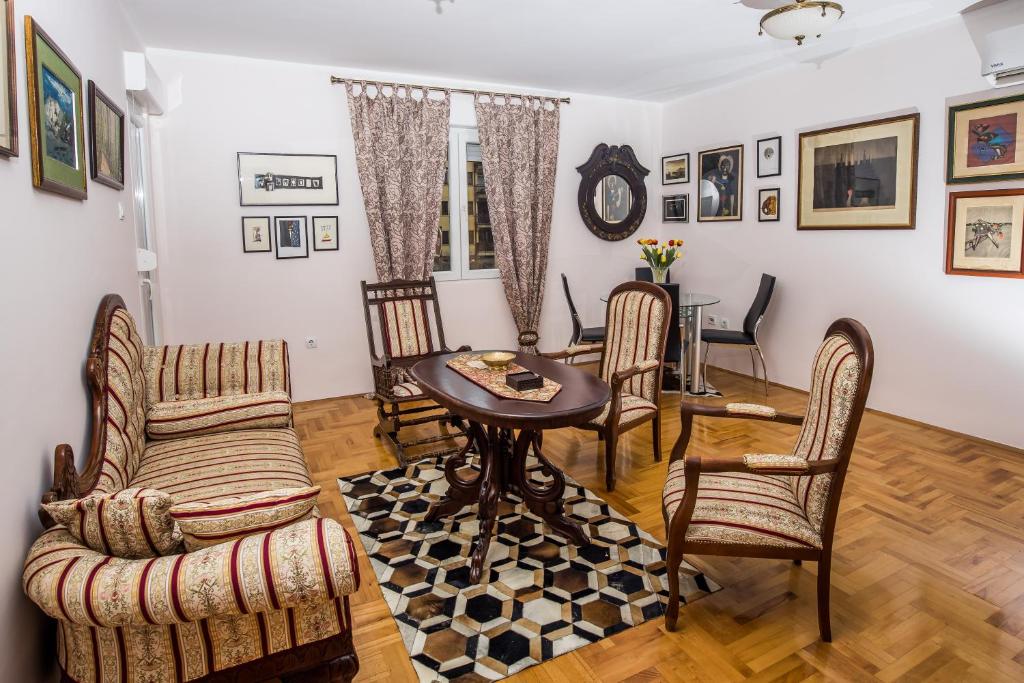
(713, 336)
(742, 508)
(406, 390)
(213, 466)
(633, 408)
(179, 419)
(592, 334)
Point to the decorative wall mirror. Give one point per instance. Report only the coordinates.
(612, 196)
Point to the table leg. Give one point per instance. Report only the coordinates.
(461, 492)
(544, 500)
(491, 486)
(695, 321)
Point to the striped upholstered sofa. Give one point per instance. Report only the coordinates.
(199, 424)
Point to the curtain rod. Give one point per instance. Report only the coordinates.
(379, 84)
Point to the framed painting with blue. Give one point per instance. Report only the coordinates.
(985, 141)
(55, 105)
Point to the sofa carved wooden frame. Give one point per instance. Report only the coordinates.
(323, 661)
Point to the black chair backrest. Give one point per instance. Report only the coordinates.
(577, 326)
(761, 301)
(673, 343)
(644, 274)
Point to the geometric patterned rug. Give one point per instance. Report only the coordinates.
(539, 596)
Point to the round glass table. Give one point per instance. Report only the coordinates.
(691, 318)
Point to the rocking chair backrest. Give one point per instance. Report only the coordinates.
(403, 316)
(839, 389)
(636, 330)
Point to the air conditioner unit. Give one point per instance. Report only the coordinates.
(997, 28)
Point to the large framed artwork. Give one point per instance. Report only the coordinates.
(8, 83)
(292, 239)
(769, 157)
(985, 233)
(106, 139)
(287, 179)
(675, 169)
(55, 116)
(861, 176)
(984, 141)
(721, 184)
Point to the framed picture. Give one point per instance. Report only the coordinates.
(287, 179)
(721, 184)
(861, 176)
(675, 169)
(983, 141)
(55, 116)
(292, 240)
(256, 236)
(985, 233)
(769, 157)
(8, 83)
(675, 208)
(325, 233)
(768, 205)
(106, 139)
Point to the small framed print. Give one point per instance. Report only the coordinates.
(985, 233)
(769, 157)
(675, 169)
(675, 208)
(768, 205)
(985, 141)
(256, 236)
(325, 233)
(291, 238)
(106, 139)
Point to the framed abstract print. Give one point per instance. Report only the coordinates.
(985, 233)
(675, 169)
(769, 157)
(675, 208)
(861, 176)
(287, 179)
(256, 236)
(106, 139)
(768, 200)
(985, 141)
(291, 238)
(55, 116)
(325, 233)
(8, 83)
(721, 184)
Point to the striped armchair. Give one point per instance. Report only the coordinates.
(781, 506)
(192, 424)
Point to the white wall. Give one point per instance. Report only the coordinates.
(948, 348)
(60, 256)
(212, 290)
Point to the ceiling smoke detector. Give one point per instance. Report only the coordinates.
(800, 19)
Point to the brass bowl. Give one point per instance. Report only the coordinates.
(498, 360)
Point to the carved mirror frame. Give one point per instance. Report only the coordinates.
(604, 161)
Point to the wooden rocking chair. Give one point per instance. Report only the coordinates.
(403, 318)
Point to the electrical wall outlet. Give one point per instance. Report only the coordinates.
(311, 342)
(723, 323)
(712, 320)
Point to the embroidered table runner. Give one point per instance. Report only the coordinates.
(476, 371)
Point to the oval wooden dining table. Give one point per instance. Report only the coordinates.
(503, 432)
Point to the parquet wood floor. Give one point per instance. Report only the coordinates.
(928, 570)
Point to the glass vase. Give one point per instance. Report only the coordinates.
(660, 274)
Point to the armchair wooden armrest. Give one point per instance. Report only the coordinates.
(746, 411)
(572, 351)
(619, 377)
(761, 463)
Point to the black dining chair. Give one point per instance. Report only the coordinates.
(580, 334)
(748, 335)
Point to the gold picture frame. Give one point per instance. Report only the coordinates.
(8, 82)
(861, 176)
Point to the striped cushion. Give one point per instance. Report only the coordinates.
(405, 328)
(202, 468)
(226, 519)
(176, 373)
(132, 523)
(406, 390)
(178, 419)
(742, 508)
(633, 335)
(633, 408)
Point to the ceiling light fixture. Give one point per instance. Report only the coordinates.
(800, 19)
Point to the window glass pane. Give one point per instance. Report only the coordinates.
(443, 258)
(481, 239)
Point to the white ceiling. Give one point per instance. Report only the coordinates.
(645, 49)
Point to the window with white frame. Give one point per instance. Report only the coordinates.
(465, 245)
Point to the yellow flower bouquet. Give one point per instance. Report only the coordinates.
(659, 257)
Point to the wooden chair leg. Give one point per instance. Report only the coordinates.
(672, 568)
(798, 562)
(610, 442)
(656, 436)
(824, 586)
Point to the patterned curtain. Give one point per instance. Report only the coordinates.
(519, 144)
(401, 149)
